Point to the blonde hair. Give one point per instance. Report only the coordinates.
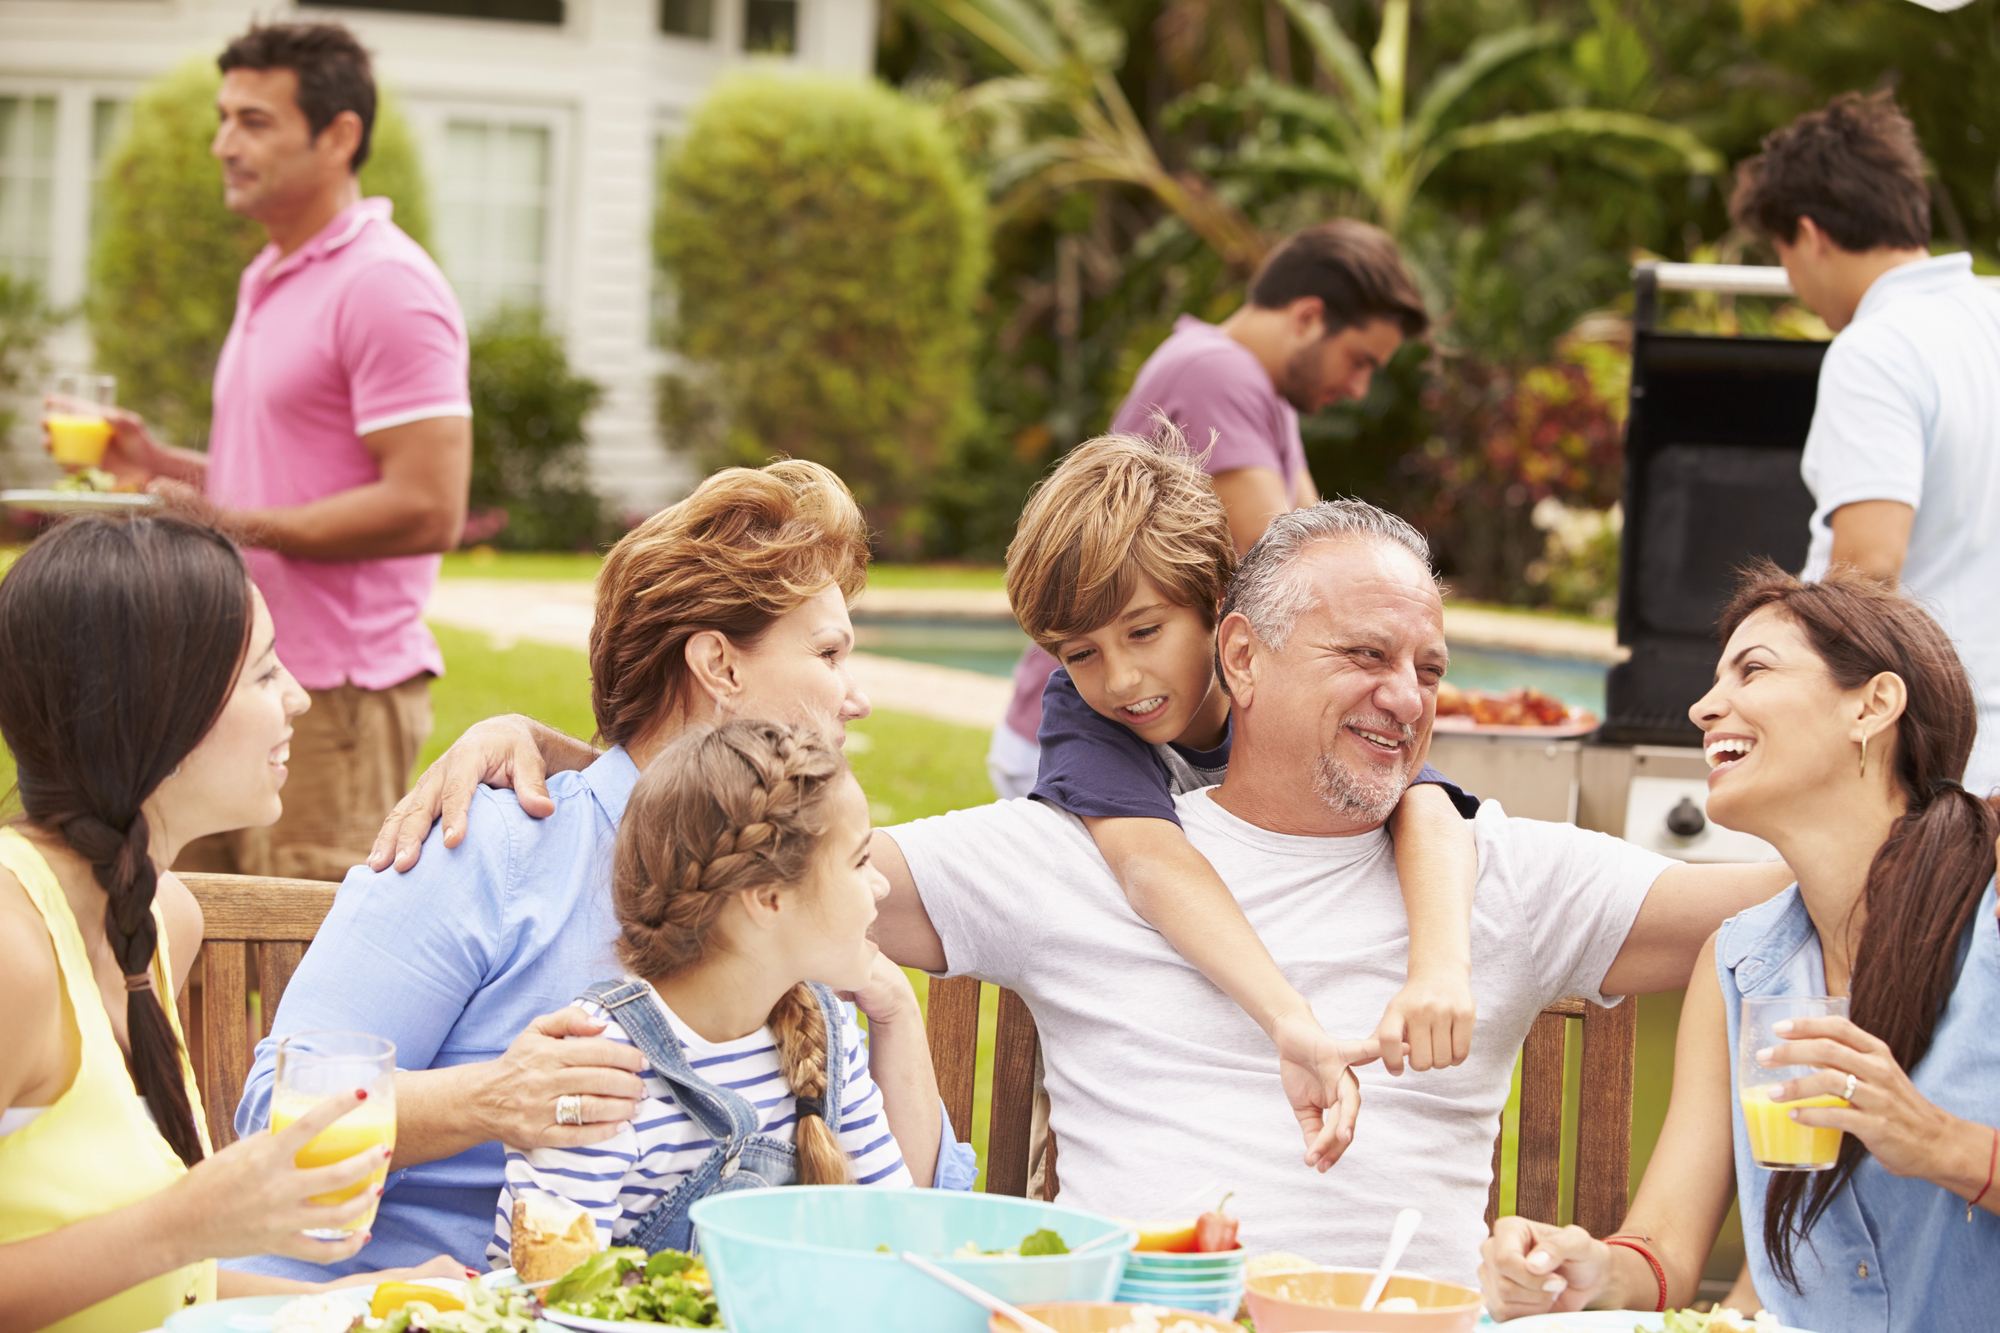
(1116, 507)
(722, 809)
(749, 545)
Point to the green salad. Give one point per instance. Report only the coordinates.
(1033, 1244)
(1721, 1320)
(670, 1288)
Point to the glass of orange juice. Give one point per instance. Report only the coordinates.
(1778, 1142)
(313, 1066)
(79, 430)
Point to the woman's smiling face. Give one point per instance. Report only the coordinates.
(1776, 727)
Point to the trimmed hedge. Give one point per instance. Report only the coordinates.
(168, 254)
(825, 247)
(530, 480)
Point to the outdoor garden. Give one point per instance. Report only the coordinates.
(939, 282)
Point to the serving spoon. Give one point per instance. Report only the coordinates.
(1406, 1226)
(1024, 1321)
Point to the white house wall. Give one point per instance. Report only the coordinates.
(606, 84)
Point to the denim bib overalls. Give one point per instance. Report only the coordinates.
(1889, 1254)
(744, 1157)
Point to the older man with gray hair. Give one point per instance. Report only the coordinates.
(1331, 646)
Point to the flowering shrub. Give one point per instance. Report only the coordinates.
(1503, 443)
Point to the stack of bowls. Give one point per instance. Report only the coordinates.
(1208, 1283)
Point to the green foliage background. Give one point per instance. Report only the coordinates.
(168, 254)
(528, 442)
(825, 246)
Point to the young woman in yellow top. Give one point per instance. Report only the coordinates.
(145, 706)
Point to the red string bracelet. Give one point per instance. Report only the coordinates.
(1992, 1157)
(1633, 1243)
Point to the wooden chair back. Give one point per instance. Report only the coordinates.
(254, 932)
(1603, 1156)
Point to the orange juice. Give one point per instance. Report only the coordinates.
(77, 441)
(366, 1127)
(1781, 1143)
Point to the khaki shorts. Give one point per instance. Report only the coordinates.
(352, 757)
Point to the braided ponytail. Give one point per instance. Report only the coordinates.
(122, 641)
(722, 809)
(799, 1024)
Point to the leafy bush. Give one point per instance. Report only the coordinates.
(825, 247)
(25, 323)
(168, 255)
(530, 488)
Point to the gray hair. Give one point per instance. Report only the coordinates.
(1268, 590)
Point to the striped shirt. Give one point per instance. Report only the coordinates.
(620, 1180)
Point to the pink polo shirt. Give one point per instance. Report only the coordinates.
(353, 332)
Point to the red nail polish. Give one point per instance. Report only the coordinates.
(361, 1094)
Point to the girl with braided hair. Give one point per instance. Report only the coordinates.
(744, 892)
(145, 707)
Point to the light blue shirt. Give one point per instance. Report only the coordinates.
(1909, 410)
(451, 962)
(1889, 1255)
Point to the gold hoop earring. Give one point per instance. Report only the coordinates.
(1864, 756)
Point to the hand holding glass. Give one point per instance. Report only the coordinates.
(313, 1066)
(1778, 1142)
(79, 430)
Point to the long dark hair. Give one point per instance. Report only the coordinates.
(1927, 877)
(122, 641)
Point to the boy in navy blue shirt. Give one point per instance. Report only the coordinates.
(1118, 567)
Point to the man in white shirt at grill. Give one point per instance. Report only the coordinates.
(1903, 459)
(1331, 646)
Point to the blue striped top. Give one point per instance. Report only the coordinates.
(620, 1180)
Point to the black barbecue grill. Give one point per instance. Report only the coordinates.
(1712, 484)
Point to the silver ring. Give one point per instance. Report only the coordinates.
(1848, 1095)
(569, 1109)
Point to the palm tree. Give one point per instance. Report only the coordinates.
(1060, 120)
(1360, 134)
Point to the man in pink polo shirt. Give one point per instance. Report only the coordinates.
(1327, 309)
(341, 448)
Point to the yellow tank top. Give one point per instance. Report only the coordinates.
(96, 1148)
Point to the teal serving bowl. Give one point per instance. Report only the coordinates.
(1159, 1261)
(807, 1256)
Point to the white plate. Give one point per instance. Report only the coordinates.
(1594, 1321)
(78, 502)
(585, 1324)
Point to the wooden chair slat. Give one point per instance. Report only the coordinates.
(1538, 1173)
(951, 1021)
(276, 961)
(252, 907)
(1014, 1044)
(225, 1063)
(1493, 1189)
(1604, 1130)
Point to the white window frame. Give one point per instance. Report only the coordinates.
(75, 175)
(429, 118)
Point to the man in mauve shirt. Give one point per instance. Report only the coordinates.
(341, 448)
(1327, 309)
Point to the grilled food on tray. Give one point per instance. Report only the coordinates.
(1524, 707)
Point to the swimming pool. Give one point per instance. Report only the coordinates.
(991, 647)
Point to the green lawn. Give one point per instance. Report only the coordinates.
(484, 563)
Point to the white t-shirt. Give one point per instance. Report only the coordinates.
(1909, 410)
(1159, 1083)
(621, 1179)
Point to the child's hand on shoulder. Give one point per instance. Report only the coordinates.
(888, 996)
(1431, 1019)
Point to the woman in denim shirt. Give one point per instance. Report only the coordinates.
(1838, 729)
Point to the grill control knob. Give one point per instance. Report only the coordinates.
(1686, 819)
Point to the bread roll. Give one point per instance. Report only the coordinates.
(551, 1236)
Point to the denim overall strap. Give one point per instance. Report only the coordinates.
(836, 1071)
(744, 1157)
